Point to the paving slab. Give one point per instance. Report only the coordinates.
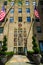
(19, 60)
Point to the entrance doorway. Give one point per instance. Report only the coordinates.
(20, 50)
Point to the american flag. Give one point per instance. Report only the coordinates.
(2, 13)
(36, 12)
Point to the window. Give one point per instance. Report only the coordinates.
(28, 19)
(20, 50)
(34, 3)
(5, 2)
(28, 10)
(12, 3)
(42, 10)
(25, 41)
(38, 29)
(0, 44)
(27, 2)
(37, 20)
(19, 3)
(24, 33)
(20, 10)
(15, 39)
(11, 19)
(15, 43)
(41, 2)
(41, 45)
(19, 19)
(15, 33)
(1, 30)
(12, 11)
(20, 38)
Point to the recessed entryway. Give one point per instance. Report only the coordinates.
(20, 50)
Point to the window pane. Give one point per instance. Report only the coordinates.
(28, 19)
(15, 43)
(34, 3)
(0, 44)
(11, 19)
(1, 30)
(19, 19)
(5, 2)
(37, 20)
(20, 38)
(24, 33)
(20, 50)
(19, 3)
(12, 3)
(41, 45)
(38, 29)
(15, 39)
(15, 33)
(28, 10)
(20, 10)
(12, 11)
(41, 2)
(27, 2)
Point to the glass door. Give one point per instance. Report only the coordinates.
(25, 50)
(20, 50)
(15, 50)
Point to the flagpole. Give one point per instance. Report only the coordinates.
(7, 14)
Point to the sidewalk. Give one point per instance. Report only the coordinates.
(18, 60)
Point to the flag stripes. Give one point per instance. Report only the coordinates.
(2, 14)
(36, 13)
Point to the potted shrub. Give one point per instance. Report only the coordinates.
(9, 55)
(4, 50)
(4, 46)
(30, 54)
(42, 57)
(36, 55)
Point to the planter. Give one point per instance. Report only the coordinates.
(1, 63)
(29, 56)
(9, 57)
(42, 59)
(37, 58)
(4, 59)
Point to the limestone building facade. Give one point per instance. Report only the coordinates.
(18, 25)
